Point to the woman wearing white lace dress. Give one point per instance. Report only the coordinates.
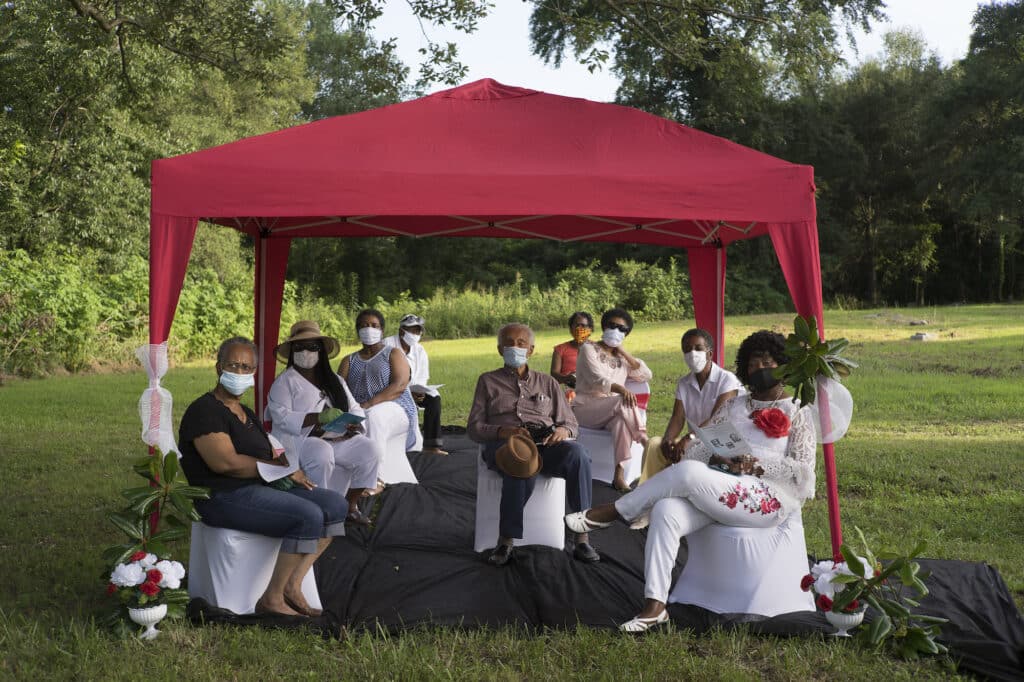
(753, 490)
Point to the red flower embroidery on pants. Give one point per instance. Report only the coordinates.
(756, 498)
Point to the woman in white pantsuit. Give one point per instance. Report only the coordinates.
(755, 490)
(308, 393)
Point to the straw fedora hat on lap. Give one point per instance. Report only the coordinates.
(306, 330)
(518, 457)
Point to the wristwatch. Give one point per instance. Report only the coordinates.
(690, 436)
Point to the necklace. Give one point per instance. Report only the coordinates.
(779, 394)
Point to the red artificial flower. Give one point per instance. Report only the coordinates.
(138, 556)
(852, 606)
(154, 576)
(824, 603)
(111, 588)
(878, 572)
(731, 499)
(769, 506)
(772, 421)
(149, 589)
(806, 582)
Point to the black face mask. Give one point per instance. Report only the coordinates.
(763, 379)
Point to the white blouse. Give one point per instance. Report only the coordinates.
(291, 398)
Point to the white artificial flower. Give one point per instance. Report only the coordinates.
(172, 572)
(149, 561)
(128, 575)
(823, 572)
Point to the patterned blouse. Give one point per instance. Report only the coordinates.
(367, 378)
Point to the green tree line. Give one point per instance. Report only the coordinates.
(919, 164)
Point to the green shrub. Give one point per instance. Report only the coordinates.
(49, 312)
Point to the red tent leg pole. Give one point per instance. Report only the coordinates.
(835, 526)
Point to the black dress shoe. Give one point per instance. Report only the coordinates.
(585, 553)
(501, 555)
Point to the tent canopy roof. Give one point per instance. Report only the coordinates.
(486, 159)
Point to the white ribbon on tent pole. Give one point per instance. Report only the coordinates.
(833, 410)
(156, 402)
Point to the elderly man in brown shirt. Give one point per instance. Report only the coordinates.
(505, 401)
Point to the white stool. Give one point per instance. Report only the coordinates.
(746, 570)
(598, 443)
(231, 569)
(542, 516)
(387, 424)
(599, 447)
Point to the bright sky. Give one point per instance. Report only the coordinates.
(500, 47)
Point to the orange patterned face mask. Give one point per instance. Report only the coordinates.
(581, 334)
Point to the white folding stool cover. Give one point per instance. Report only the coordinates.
(746, 570)
(600, 449)
(387, 423)
(231, 569)
(598, 444)
(542, 516)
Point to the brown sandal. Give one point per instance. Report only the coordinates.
(262, 610)
(304, 610)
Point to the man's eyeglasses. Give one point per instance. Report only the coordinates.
(239, 367)
(309, 345)
(621, 327)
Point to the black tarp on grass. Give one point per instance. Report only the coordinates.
(416, 566)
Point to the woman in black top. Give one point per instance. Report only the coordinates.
(221, 440)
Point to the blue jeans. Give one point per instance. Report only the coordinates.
(566, 459)
(299, 516)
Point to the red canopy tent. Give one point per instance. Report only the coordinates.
(488, 160)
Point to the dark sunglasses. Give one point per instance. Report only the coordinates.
(621, 327)
(308, 345)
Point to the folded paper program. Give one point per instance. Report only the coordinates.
(341, 423)
(723, 439)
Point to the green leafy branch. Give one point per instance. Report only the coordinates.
(892, 590)
(811, 357)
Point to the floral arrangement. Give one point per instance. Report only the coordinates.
(772, 421)
(147, 581)
(860, 581)
(820, 582)
(143, 573)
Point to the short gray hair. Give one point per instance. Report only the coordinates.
(222, 352)
(514, 325)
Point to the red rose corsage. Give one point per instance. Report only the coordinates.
(772, 421)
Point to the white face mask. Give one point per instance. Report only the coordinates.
(410, 338)
(613, 338)
(306, 359)
(370, 335)
(696, 360)
(237, 384)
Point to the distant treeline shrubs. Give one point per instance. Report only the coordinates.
(65, 311)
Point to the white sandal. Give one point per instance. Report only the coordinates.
(639, 625)
(578, 522)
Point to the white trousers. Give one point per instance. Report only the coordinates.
(686, 497)
(342, 464)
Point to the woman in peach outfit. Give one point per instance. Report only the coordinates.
(602, 399)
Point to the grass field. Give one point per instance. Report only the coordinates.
(935, 452)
